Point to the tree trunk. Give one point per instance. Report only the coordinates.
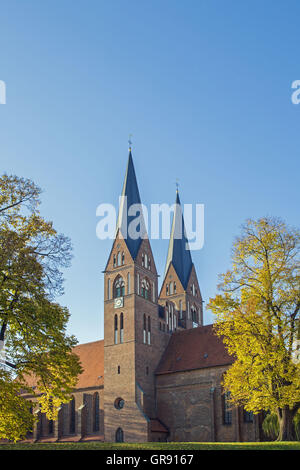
(286, 426)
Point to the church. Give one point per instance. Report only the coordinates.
(156, 375)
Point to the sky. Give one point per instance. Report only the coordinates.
(204, 87)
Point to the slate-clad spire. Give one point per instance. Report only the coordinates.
(179, 253)
(130, 195)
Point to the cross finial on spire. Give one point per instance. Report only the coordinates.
(129, 141)
(177, 185)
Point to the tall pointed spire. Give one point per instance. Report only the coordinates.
(179, 253)
(130, 195)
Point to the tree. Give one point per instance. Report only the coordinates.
(257, 315)
(32, 325)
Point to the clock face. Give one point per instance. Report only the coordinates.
(119, 302)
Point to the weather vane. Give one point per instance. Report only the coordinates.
(177, 184)
(129, 141)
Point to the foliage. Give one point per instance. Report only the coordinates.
(15, 412)
(271, 425)
(32, 325)
(257, 315)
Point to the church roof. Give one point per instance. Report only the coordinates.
(131, 193)
(196, 348)
(179, 253)
(91, 356)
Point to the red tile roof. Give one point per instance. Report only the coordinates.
(196, 348)
(91, 357)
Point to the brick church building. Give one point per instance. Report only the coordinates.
(157, 374)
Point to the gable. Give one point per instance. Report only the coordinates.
(171, 276)
(145, 248)
(193, 280)
(119, 245)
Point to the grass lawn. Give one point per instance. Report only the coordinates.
(156, 446)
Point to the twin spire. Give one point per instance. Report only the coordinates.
(130, 195)
(178, 253)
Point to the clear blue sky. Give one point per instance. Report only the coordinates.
(203, 86)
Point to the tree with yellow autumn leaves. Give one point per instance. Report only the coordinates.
(33, 339)
(257, 315)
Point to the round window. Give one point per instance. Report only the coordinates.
(119, 403)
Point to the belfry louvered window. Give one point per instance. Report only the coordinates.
(194, 314)
(119, 287)
(145, 289)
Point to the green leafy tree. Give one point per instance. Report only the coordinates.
(257, 314)
(33, 335)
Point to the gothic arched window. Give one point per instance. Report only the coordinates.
(128, 283)
(116, 329)
(145, 289)
(180, 308)
(144, 330)
(121, 328)
(96, 412)
(194, 314)
(149, 330)
(50, 421)
(119, 435)
(119, 287)
(72, 416)
(50, 426)
(248, 416)
(227, 408)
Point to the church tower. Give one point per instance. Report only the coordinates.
(133, 343)
(180, 286)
